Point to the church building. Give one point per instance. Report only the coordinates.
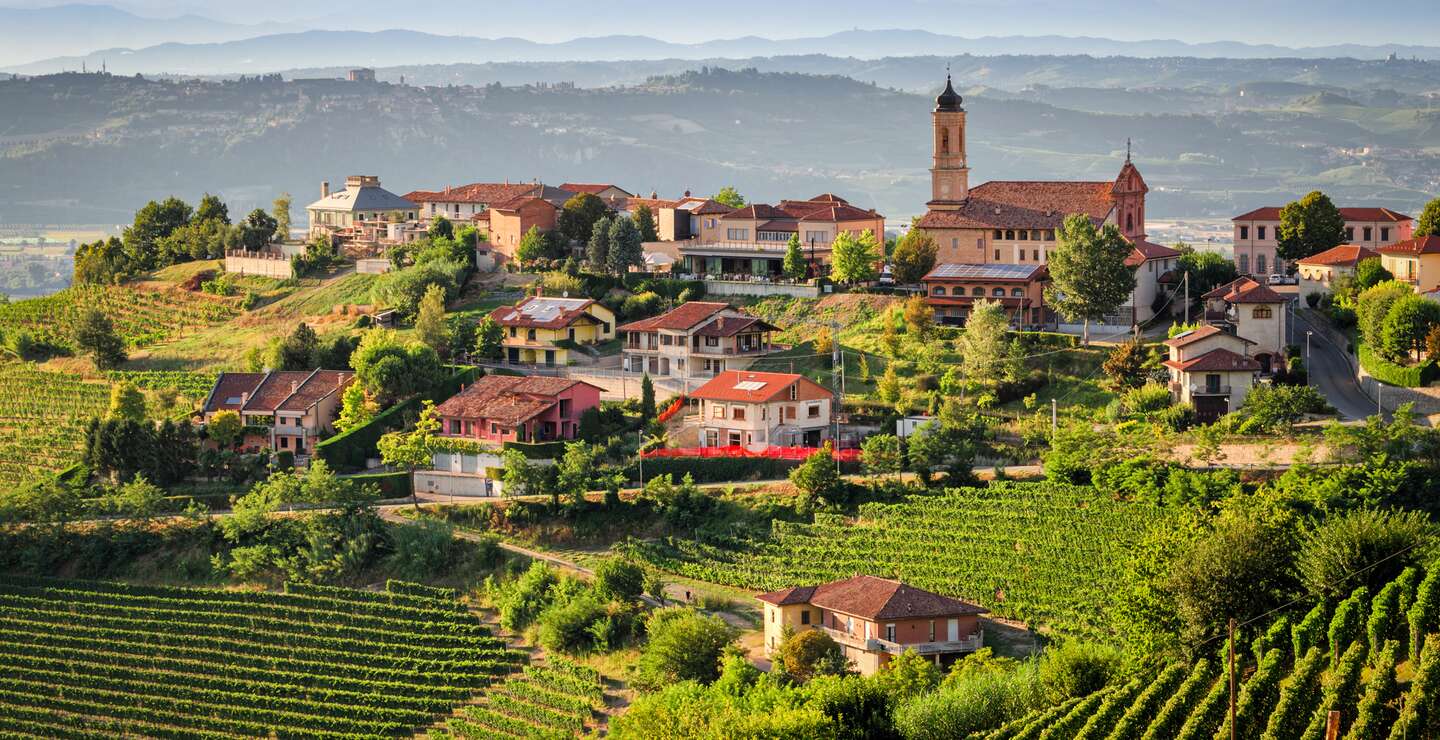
(995, 239)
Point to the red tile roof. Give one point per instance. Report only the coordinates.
(1345, 255)
(1152, 251)
(682, 317)
(1187, 338)
(711, 207)
(729, 326)
(506, 399)
(756, 211)
(275, 388)
(1238, 284)
(593, 188)
(320, 385)
(478, 192)
(229, 389)
(1418, 245)
(542, 312)
(874, 598)
(1214, 361)
(1256, 294)
(1030, 204)
(1272, 213)
(745, 386)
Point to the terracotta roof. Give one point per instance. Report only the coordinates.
(1238, 284)
(1153, 251)
(874, 598)
(780, 225)
(506, 399)
(682, 317)
(655, 204)
(744, 386)
(593, 188)
(1418, 245)
(1345, 255)
(756, 210)
(729, 326)
(710, 207)
(228, 390)
(542, 312)
(1272, 213)
(1025, 204)
(1187, 338)
(1256, 294)
(839, 213)
(320, 385)
(829, 198)
(1216, 360)
(275, 388)
(477, 192)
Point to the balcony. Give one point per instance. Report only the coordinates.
(1209, 390)
(877, 645)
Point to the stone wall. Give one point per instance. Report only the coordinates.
(264, 264)
(748, 288)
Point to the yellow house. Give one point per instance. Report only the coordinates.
(543, 331)
(1415, 261)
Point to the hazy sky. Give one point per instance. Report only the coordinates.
(1284, 22)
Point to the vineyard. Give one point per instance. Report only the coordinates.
(142, 317)
(558, 701)
(42, 420)
(192, 385)
(93, 659)
(1374, 660)
(1039, 552)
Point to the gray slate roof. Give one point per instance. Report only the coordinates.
(368, 198)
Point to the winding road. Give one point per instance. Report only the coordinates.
(1332, 370)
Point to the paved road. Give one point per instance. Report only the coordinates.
(1332, 372)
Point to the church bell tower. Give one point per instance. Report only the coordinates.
(949, 175)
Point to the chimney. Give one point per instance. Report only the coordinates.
(687, 193)
(654, 195)
(294, 386)
(244, 399)
(325, 189)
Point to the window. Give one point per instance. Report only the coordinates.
(1384, 233)
(850, 625)
(1349, 233)
(998, 292)
(530, 334)
(1049, 235)
(794, 391)
(737, 235)
(565, 404)
(1009, 233)
(1130, 224)
(494, 428)
(1022, 255)
(1260, 312)
(979, 242)
(1260, 232)
(938, 290)
(738, 413)
(789, 412)
(977, 291)
(1244, 232)
(718, 411)
(1244, 263)
(804, 616)
(284, 443)
(997, 233)
(954, 242)
(1024, 235)
(570, 334)
(454, 426)
(812, 411)
(712, 341)
(1036, 254)
(514, 332)
(1260, 264)
(1017, 292)
(997, 255)
(932, 631)
(1367, 233)
(890, 632)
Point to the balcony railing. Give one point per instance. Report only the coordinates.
(1209, 390)
(877, 645)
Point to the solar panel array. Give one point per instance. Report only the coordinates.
(983, 272)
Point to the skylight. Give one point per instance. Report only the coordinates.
(749, 385)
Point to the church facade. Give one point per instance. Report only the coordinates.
(1005, 230)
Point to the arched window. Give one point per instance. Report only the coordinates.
(1129, 222)
(978, 291)
(1017, 292)
(944, 141)
(938, 290)
(998, 292)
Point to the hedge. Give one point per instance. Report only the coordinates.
(350, 449)
(538, 450)
(1386, 371)
(721, 470)
(391, 485)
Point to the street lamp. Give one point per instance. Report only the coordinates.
(1307, 356)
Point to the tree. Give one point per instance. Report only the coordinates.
(644, 219)
(1429, 222)
(430, 326)
(137, 499)
(577, 218)
(441, 228)
(1370, 272)
(1207, 271)
(810, 653)
(1406, 325)
(1372, 307)
(225, 428)
(211, 208)
(257, 230)
(126, 402)
(817, 477)
(982, 346)
(298, 351)
(281, 210)
(795, 266)
(880, 454)
(888, 388)
(914, 256)
(647, 398)
(1359, 548)
(853, 258)
(1089, 277)
(534, 246)
(95, 336)
(489, 338)
(1242, 569)
(626, 250)
(729, 196)
(1125, 365)
(597, 250)
(390, 369)
(919, 318)
(619, 578)
(356, 408)
(684, 646)
(153, 222)
(520, 476)
(413, 450)
(574, 473)
(1308, 226)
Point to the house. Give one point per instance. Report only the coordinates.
(294, 408)
(461, 204)
(1014, 222)
(1415, 261)
(683, 219)
(604, 191)
(1317, 273)
(540, 329)
(501, 212)
(759, 410)
(695, 339)
(750, 242)
(952, 289)
(1257, 235)
(1210, 369)
(363, 212)
(875, 619)
(509, 408)
(1254, 311)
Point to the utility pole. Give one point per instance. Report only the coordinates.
(1232, 678)
(640, 455)
(1054, 407)
(1332, 725)
(1186, 278)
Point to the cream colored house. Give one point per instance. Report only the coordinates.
(1415, 261)
(1318, 272)
(1256, 235)
(1211, 370)
(755, 410)
(1257, 313)
(696, 339)
(362, 210)
(875, 619)
(294, 408)
(542, 331)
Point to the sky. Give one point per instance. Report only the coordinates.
(1294, 23)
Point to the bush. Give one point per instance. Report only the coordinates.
(684, 645)
(621, 579)
(1272, 408)
(422, 550)
(1414, 376)
(403, 289)
(1147, 398)
(566, 627)
(1076, 668)
(810, 653)
(1346, 543)
(641, 305)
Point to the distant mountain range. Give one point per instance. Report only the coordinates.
(27, 34)
(272, 52)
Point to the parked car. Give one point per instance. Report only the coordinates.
(1283, 280)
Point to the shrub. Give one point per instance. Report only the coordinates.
(1146, 398)
(684, 645)
(1414, 376)
(1365, 539)
(568, 627)
(422, 550)
(641, 305)
(1272, 408)
(1077, 668)
(810, 653)
(618, 578)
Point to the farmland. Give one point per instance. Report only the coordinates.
(141, 316)
(97, 659)
(42, 419)
(556, 701)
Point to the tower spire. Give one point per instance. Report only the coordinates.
(1127, 150)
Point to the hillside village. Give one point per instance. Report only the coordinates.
(524, 459)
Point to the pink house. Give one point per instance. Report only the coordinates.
(507, 408)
